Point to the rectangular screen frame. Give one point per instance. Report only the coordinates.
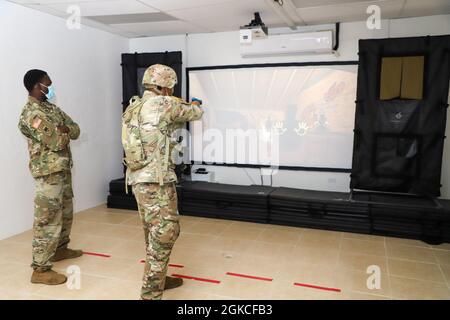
(268, 65)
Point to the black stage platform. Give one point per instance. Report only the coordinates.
(403, 216)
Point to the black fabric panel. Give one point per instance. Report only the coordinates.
(391, 200)
(410, 162)
(227, 196)
(363, 212)
(446, 207)
(236, 202)
(133, 63)
(121, 202)
(240, 214)
(445, 226)
(308, 195)
(118, 187)
(199, 187)
(318, 209)
(323, 224)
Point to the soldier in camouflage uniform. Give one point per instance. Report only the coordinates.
(154, 184)
(48, 131)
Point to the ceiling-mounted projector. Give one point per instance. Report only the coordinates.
(256, 29)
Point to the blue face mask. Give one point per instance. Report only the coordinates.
(51, 92)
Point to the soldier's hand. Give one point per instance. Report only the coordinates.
(63, 129)
(197, 102)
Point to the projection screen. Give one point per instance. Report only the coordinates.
(296, 116)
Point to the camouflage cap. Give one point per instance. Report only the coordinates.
(160, 75)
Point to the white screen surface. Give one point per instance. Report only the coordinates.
(310, 110)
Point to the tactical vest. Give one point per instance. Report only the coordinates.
(135, 157)
(136, 154)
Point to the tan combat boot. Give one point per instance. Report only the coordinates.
(65, 253)
(172, 283)
(48, 277)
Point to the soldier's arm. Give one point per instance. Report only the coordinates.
(74, 129)
(24, 128)
(44, 131)
(184, 112)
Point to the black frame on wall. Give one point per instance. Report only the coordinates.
(268, 65)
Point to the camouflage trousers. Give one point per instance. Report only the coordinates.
(158, 211)
(53, 214)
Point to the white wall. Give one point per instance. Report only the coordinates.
(210, 49)
(85, 68)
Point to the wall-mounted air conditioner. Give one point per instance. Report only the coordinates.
(289, 44)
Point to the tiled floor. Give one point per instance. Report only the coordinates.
(323, 264)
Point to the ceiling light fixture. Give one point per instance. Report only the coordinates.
(286, 10)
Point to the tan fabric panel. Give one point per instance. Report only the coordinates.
(391, 76)
(412, 78)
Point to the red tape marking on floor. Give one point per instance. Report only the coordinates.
(247, 276)
(316, 287)
(195, 278)
(97, 254)
(170, 264)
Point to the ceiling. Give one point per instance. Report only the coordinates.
(143, 18)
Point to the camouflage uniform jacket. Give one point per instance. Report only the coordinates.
(160, 117)
(49, 148)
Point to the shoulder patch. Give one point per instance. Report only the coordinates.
(42, 126)
(36, 122)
